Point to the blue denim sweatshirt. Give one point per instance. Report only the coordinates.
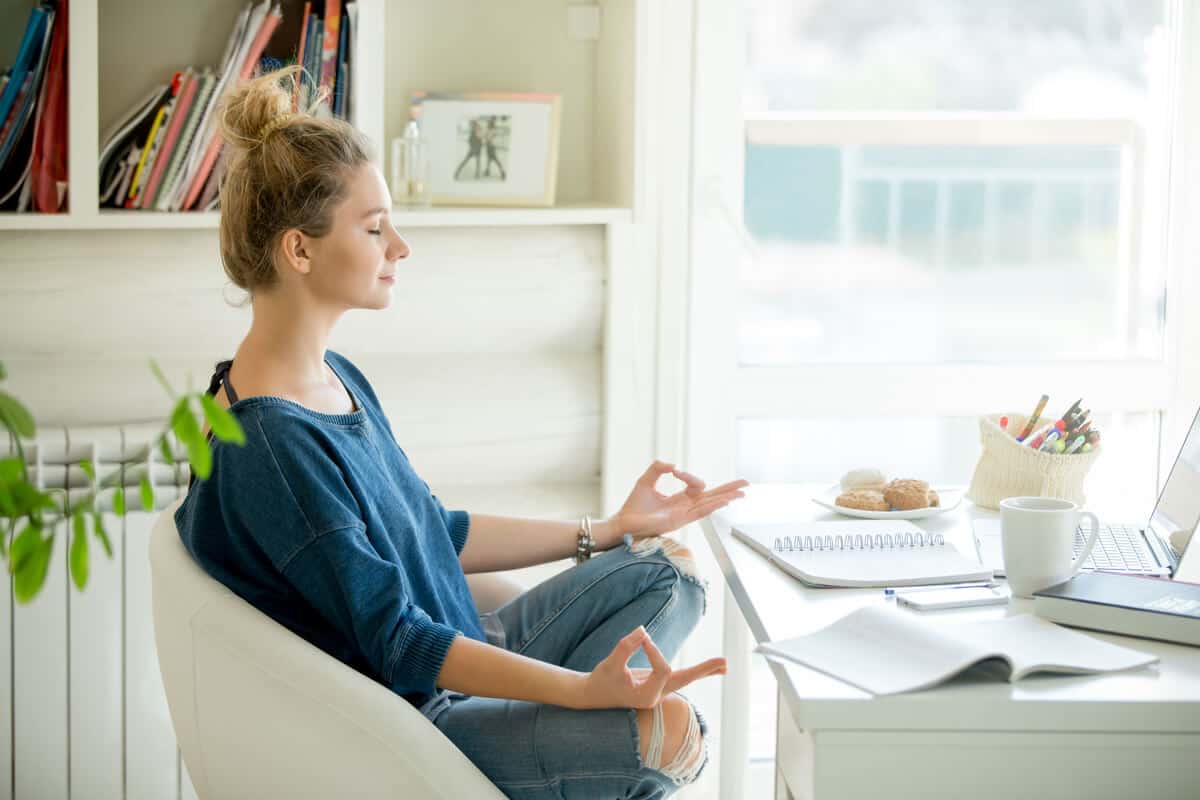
(321, 522)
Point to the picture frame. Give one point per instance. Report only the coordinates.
(490, 148)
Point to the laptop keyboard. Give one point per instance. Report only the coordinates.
(1119, 548)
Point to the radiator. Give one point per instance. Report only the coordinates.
(83, 713)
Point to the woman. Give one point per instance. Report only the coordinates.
(320, 521)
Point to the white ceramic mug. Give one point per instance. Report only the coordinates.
(1037, 535)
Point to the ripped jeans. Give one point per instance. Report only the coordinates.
(574, 619)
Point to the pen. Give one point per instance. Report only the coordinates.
(1033, 420)
(892, 590)
(1075, 444)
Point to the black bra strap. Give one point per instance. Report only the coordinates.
(221, 373)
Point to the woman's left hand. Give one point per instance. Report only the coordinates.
(648, 512)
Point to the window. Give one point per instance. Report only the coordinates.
(944, 208)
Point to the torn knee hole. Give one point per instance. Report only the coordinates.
(675, 552)
(691, 754)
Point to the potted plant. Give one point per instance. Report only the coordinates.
(36, 513)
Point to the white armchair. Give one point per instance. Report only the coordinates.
(259, 712)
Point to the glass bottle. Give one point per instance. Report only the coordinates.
(410, 168)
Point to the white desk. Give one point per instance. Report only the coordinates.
(1134, 734)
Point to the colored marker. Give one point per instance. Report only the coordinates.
(1076, 443)
(1051, 438)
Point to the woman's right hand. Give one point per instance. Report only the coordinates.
(613, 684)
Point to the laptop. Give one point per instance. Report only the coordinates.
(1151, 548)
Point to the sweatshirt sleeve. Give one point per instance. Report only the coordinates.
(458, 523)
(355, 590)
(314, 534)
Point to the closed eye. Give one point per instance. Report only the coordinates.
(376, 232)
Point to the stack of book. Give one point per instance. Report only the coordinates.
(33, 115)
(163, 154)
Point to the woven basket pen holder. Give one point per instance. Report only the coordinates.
(1008, 468)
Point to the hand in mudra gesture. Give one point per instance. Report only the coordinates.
(613, 684)
(649, 512)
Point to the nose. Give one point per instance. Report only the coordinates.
(397, 247)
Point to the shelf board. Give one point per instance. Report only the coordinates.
(441, 216)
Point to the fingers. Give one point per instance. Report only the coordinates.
(654, 472)
(662, 668)
(732, 486)
(702, 510)
(630, 643)
(682, 677)
(694, 484)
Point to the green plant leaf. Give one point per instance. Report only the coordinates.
(7, 506)
(87, 466)
(224, 425)
(165, 449)
(79, 551)
(16, 416)
(23, 546)
(102, 534)
(27, 499)
(3, 372)
(30, 576)
(147, 495)
(119, 501)
(161, 378)
(188, 430)
(11, 469)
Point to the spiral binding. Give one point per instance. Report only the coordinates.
(878, 541)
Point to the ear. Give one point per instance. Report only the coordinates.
(296, 251)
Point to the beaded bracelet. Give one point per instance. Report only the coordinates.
(583, 548)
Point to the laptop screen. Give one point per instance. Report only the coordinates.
(1178, 507)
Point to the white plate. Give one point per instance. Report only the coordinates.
(949, 499)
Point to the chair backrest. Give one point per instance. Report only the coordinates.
(260, 712)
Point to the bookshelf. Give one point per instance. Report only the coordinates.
(120, 48)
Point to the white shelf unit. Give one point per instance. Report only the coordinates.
(517, 362)
(119, 48)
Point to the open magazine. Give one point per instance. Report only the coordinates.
(883, 650)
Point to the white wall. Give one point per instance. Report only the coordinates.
(488, 362)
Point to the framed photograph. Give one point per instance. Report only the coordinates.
(490, 148)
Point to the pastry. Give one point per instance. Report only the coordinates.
(863, 500)
(934, 500)
(868, 478)
(907, 494)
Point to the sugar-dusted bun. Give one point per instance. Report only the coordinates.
(867, 478)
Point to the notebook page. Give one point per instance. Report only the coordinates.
(907, 566)
(873, 566)
(1033, 644)
(880, 650)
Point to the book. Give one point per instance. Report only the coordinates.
(48, 179)
(30, 41)
(861, 553)
(883, 650)
(263, 21)
(167, 195)
(1134, 605)
(329, 48)
(187, 92)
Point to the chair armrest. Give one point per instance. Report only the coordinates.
(493, 589)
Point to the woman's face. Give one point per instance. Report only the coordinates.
(354, 265)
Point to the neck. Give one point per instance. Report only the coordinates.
(288, 337)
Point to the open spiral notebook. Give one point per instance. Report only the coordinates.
(861, 553)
